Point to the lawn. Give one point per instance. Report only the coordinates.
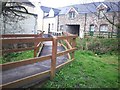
(17, 56)
(95, 67)
(87, 71)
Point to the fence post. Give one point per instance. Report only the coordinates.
(35, 49)
(73, 46)
(53, 61)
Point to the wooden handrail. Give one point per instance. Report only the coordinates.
(65, 52)
(37, 42)
(15, 64)
(68, 44)
(24, 40)
(21, 35)
(66, 37)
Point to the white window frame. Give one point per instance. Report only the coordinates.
(101, 13)
(72, 13)
(92, 28)
(103, 28)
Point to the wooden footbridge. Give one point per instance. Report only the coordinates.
(50, 54)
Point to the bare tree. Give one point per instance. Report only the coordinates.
(115, 8)
(10, 12)
(115, 13)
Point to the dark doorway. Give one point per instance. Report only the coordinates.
(73, 29)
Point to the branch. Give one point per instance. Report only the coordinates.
(91, 11)
(12, 7)
(117, 25)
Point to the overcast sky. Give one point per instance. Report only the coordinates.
(61, 3)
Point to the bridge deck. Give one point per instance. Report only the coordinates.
(28, 70)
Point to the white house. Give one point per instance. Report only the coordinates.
(24, 23)
(48, 20)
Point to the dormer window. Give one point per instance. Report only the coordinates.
(102, 9)
(101, 14)
(72, 14)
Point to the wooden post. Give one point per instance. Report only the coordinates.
(54, 54)
(73, 45)
(35, 48)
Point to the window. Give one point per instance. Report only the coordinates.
(48, 27)
(52, 26)
(104, 27)
(102, 9)
(92, 28)
(72, 14)
(101, 14)
(61, 27)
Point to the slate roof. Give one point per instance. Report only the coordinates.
(47, 9)
(90, 7)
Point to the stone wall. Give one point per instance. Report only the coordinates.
(85, 20)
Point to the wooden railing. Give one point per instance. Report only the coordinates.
(58, 33)
(19, 39)
(101, 34)
(55, 40)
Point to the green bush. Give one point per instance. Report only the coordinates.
(98, 45)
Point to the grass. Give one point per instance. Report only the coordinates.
(11, 57)
(87, 71)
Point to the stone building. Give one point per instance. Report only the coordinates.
(89, 18)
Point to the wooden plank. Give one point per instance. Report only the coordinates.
(61, 65)
(38, 46)
(66, 49)
(53, 61)
(21, 35)
(40, 49)
(35, 49)
(68, 44)
(66, 37)
(17, 50)
(17, 40)
(65, 52)
(23, 81)
(73, 45)
(24, 62)
(25, 40)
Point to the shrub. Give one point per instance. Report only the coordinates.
(98, 45)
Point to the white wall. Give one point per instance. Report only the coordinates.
(51, 21)
(26, 26)
(29, 8)
(40, 14)
(40, 20)
(51, 13)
